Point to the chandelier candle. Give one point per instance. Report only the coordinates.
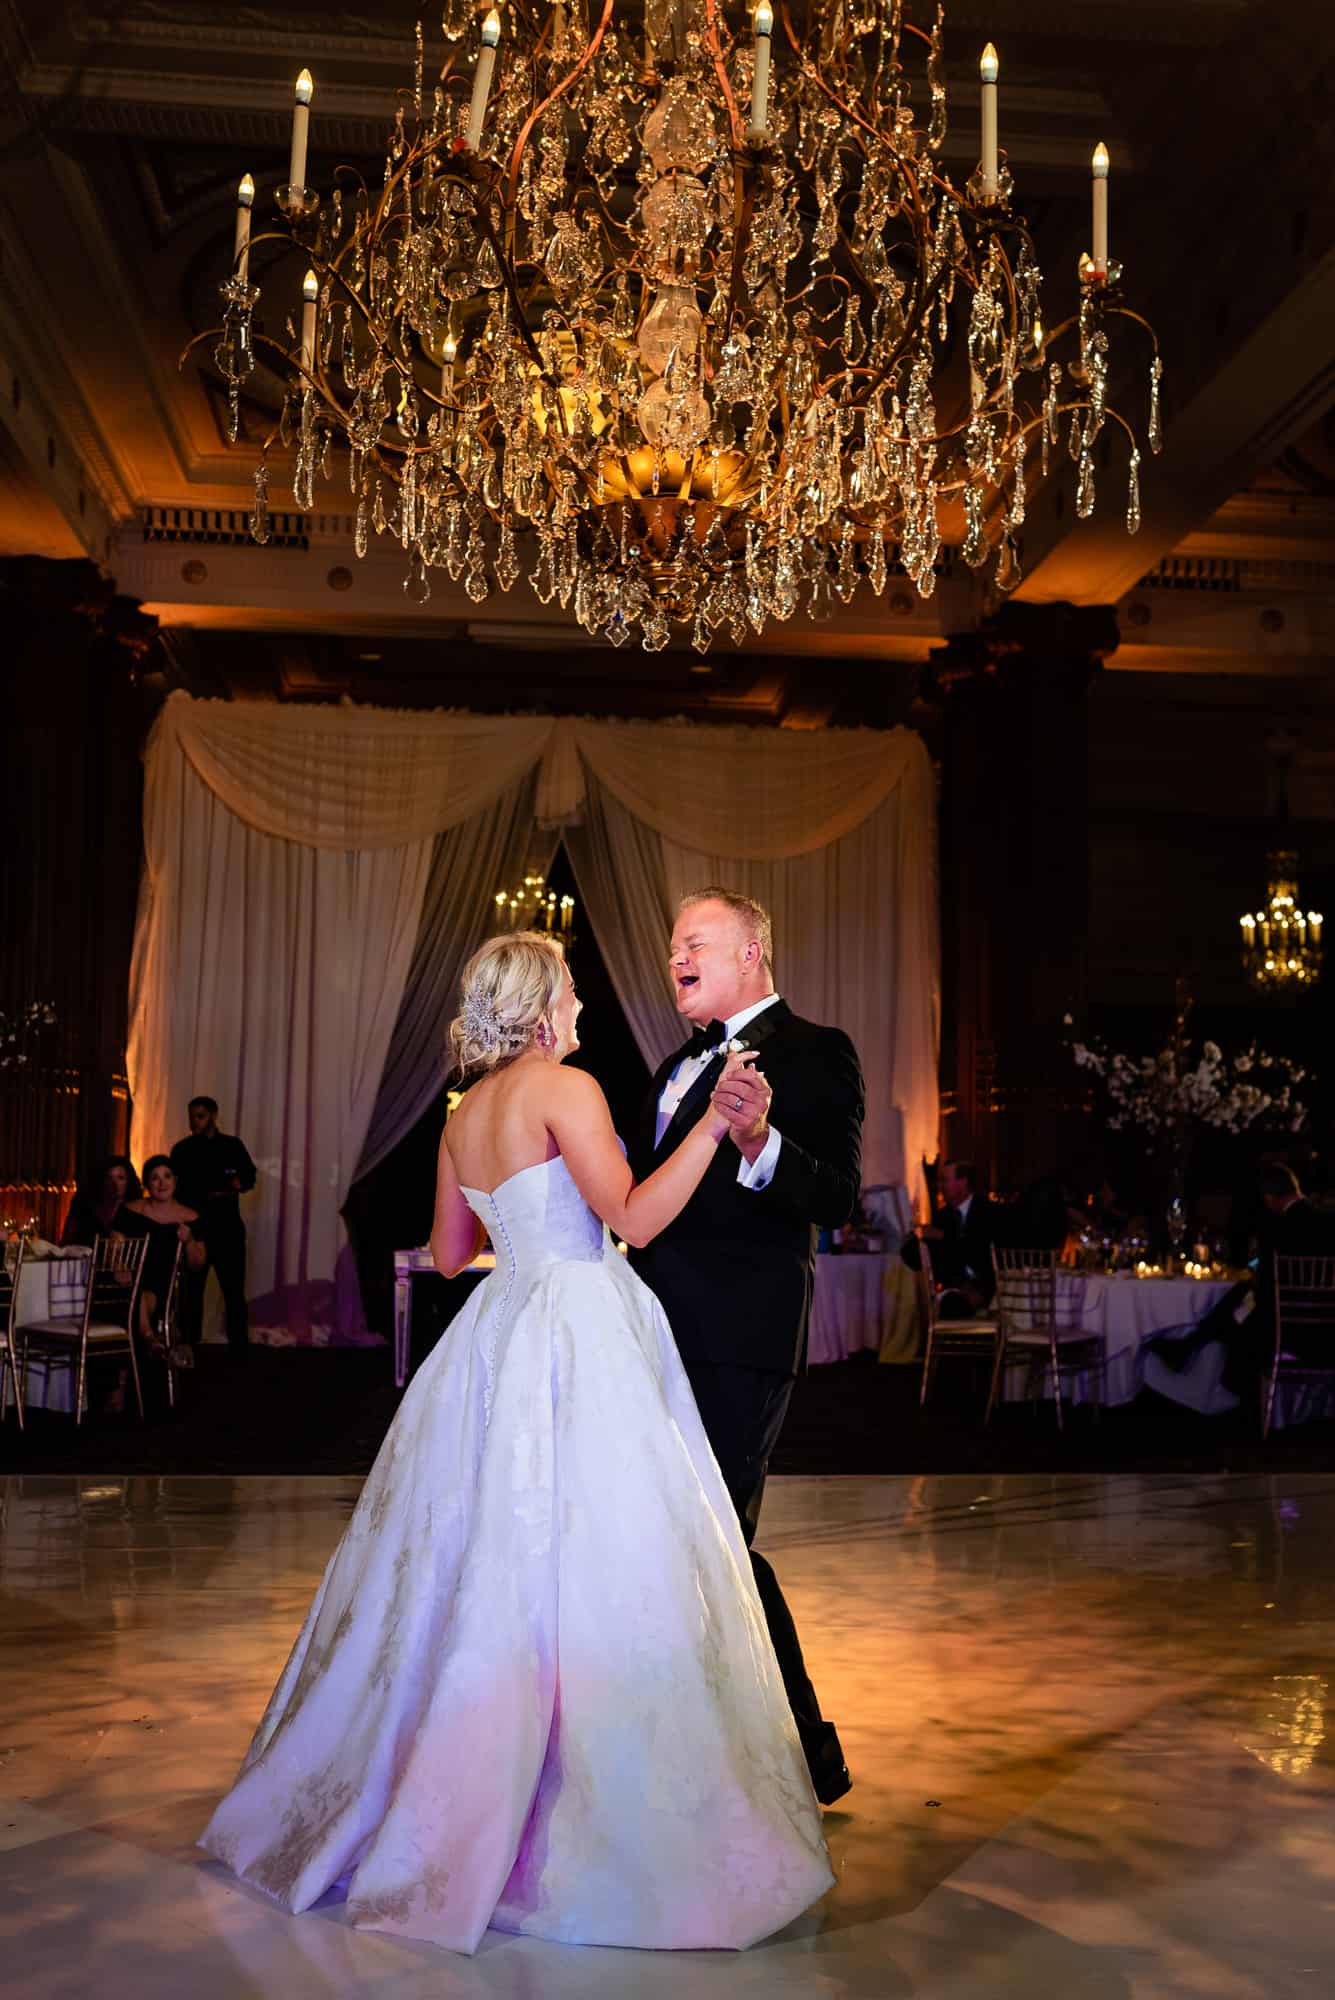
(310, 292)
(1099, 169)
(301, 125)
(988, 68)
(764, 27)
(482, 75)
(245, 196)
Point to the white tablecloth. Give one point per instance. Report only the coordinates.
(50, 1289)
(1126, 1312)
(856, 1303)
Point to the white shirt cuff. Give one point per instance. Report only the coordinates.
(758, 1173)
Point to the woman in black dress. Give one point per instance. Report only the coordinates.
(168, 1222)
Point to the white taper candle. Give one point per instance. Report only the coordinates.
(1099, 168)
(310, 292)
(245, 196)
(988, 68)
(482, 75)
(301, 125)
(763, 24)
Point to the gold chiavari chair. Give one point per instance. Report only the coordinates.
(1304, 1321)
(10, 1273)
(970, 1339)
(1034, 1335)
(108, 1324)
(167, 1328)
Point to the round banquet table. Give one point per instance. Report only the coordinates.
(49, 1288)
(1126, 1313)
(862, 1300)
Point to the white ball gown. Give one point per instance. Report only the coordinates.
(535, 1691)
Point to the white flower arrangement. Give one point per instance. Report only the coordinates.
(1177, 1091)
(20, 1030)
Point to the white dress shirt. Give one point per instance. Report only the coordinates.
(754, 1174)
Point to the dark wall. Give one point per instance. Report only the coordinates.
(75, 712)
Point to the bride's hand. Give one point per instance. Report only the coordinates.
(713, 1120)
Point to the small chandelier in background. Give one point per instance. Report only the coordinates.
(535, 907)
(688, 302)
(1282, 948)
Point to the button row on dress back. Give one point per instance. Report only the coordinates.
(489, 1350)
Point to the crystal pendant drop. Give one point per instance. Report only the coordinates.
(1133, 494)
(1007, 573)
(259, 518)
(1084, 491)
(1154, 430)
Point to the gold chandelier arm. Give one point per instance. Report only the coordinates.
(558, 91)
(714, 43)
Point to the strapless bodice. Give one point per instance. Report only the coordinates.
(538, 1217)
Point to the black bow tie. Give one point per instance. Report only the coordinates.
(703, 1039)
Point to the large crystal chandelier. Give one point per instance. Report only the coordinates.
(682, 312)
(1282, 947)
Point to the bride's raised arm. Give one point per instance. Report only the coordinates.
(580, 1122)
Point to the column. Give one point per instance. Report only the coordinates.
(1014, 702)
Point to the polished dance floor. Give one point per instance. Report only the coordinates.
(1091, 1722)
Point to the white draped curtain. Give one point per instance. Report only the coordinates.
(315, 879)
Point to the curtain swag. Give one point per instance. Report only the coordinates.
(349, 777)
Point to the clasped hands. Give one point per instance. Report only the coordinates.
(741, 1100)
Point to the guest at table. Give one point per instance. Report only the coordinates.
(99, 1200)
(961, 1238)
(213, 1169)
(1244, 1321)
(168, 1221)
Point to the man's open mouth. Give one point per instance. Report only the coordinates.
(688, 979)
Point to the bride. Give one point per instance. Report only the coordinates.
(535, 1691)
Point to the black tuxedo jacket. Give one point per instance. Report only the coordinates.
(734, 1271)
(965, 1250)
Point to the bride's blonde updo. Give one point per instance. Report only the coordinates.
(509, 988)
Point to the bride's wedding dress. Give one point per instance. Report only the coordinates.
(535, 1690)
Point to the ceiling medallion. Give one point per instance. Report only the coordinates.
(688, 302)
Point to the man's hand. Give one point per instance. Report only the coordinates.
(742, 1098)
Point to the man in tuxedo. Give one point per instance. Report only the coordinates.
(962, 1253)
(734, 1272)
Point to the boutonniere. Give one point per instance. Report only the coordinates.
(734, 1046)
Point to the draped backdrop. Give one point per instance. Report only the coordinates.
(316, 878)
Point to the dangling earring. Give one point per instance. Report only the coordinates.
(546, 1039)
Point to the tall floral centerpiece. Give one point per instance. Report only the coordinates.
(1171, 1097)
(21, 1031)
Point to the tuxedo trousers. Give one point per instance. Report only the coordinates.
(742, 1410)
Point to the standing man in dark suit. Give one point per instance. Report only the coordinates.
(734, 1272)
(212, 1169)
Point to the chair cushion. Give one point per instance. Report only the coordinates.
(1031, 1336)
(54, 1329)
(72, 1330)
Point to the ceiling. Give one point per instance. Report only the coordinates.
(124, 130)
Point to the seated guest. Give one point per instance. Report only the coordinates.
(168, 1222)
(961, 1236)
(1244, 1320)
(99, 1200)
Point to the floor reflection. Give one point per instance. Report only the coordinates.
(1087, 1719)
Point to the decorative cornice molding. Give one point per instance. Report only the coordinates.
(27, 337)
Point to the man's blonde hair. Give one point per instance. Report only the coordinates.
(753, 916)
(508, 989)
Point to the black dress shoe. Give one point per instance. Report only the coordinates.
(825, 1761)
